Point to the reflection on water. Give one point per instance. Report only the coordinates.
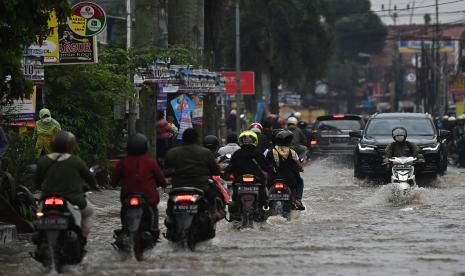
(350, 227)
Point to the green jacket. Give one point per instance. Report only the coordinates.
(44, 133)
(65, 175)
(396, 149)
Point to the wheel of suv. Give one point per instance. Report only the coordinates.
(357, 173)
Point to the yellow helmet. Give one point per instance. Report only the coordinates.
(248, 138)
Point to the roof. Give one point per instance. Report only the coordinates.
(401, 115)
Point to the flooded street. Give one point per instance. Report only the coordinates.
(349, 228)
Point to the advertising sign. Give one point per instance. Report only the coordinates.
(180, 104)
(247, 82)
(21, 110)
(197, 112)
(88, 19)
(457, 85)
(75, 49)
(33, 69)
(184, 123)
(414, 46)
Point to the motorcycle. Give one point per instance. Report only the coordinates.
(136, 235)
(188, 221)
(58, 234)
(248, 201)
(223, 162)
(280, 198)
(403, 175)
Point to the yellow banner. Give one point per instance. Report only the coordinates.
(51, 53)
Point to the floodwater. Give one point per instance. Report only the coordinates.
(349, 228)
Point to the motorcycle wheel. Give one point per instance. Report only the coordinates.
(191, 240)
(138, 246)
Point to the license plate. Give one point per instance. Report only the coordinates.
(51, 223)
(279, 197)
(248, 189)
(339, 140)
(189, 209)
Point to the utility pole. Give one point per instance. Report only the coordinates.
(437, 67)
(238, 69)
(132, 115)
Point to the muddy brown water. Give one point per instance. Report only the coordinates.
(349, 228)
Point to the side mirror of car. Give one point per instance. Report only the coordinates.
(356, 134)
(444, 133)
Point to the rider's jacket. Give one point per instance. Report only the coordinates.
(191, 166)
(396, 149)
(139, 174)
(65, 175)
(286, 164)
(248, 160)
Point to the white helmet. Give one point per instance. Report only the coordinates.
(451, 119)
(298, 114)
(292, 121)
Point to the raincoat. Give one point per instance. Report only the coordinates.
(44, 133)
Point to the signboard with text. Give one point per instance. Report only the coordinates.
(247, 82)
(414, 46)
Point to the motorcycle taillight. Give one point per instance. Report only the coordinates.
(279, 186)
(248, 179)
(185, 198)
(54, 201)
(134, 201)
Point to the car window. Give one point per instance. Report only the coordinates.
(338, 125)
(414, 126)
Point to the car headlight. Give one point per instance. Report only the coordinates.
(365, 147)
(432, 147)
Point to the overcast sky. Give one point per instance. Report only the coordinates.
(448, 12)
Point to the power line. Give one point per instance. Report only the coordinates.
(423, 14)
(419, 7)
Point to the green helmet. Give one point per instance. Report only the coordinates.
(248, 138)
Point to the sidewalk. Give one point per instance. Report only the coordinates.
(7, 233)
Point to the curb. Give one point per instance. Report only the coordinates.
(7, 234)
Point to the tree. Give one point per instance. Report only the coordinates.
(283, 41)
(21, 24)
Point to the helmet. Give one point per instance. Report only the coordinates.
(256, 130)
(284, 138)
(292, 121)
(211, 142)
(452, 119)
(399, 134)
(274, 133)
(256, 125)
(445, 117)
(64, 142)
(297, 115)
(248, 138)
(137, 144)
(461, 117)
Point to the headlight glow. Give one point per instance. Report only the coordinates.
(432, 148)
(365, 148)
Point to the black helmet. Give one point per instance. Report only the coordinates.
(211, 142)
(284, 138)
(64, 142)
(274, 133)
(137, 144)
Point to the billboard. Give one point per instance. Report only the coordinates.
(247, 82)
(414, 46)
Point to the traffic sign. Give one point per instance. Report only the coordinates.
(87, 19)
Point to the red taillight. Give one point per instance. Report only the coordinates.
(339, 116)
(248, 179)
(185, 198)
(313, 142)
(231, 176)
(55, 201)
(134, 201)
(279, 186)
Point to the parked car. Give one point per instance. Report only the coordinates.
(330, 134)
(377, 135)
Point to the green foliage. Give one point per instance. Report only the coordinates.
(81, 98)
(22, 23)
(19, 156)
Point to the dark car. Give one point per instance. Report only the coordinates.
(377, 135)
(330, 134)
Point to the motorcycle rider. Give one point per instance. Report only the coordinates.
(263, 142)
(231, 145)
(249, 160)
(299, 142)
(191, 165)
(459, 134)
(286, 164)
(65, 174)
(212, 143)
(401, 147)
(138, 173)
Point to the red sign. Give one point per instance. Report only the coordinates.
(247, 82)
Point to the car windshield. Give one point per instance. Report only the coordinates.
(414, 126)
(339, 125)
